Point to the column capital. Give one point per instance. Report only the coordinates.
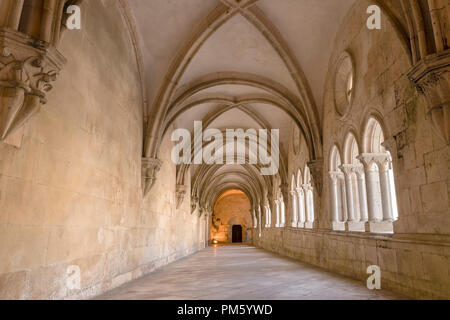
(307, 187)
(316, 169)
(380, 159)
(300, 191)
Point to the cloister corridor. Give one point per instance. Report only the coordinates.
(239, 272)
(225, 149)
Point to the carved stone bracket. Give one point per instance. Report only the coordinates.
(180, 193)
(27, 68)
(194, 204)
(431, 77)
(150, 168)
(316, 169)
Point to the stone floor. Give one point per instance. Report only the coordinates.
(243, 273)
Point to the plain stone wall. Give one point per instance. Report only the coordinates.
(415, 260)
(71, 194)
(230, 209)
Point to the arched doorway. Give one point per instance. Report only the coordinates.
(237, 234)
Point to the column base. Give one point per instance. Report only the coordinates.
(338, 226)
(294, 224)
(355, 226)
(380, 227)
(300, 225)
(311, 225)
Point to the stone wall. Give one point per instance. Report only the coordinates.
(233, 209)
(415, 260)
(70, 188)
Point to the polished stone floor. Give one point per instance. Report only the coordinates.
(243, 273)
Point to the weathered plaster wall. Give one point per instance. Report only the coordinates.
(71, 194)
(415, 260)
(228, 211)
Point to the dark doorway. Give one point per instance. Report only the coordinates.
(237, 234)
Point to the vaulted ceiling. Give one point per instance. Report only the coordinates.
(236, 64)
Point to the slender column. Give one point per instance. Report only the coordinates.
(343, 197)
(359, 170)
(367, 161)
(383, 163)
(255, 221)
(294, 209)
(347, 169)
(260, 222)
(277, 210)
(308, 205)
(301, 207)
(283, 214)
(334, 196)
(268, 216)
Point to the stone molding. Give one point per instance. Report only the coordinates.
(179, 194)
(150, 168)
(27, 68)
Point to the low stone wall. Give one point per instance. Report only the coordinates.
(412, 266)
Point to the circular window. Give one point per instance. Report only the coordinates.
(344, 84)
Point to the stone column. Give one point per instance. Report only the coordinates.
(383, 163)
(294, 209)
(260, 222)
(309, 206)
(367, 161)
(347, 169)
(282, 214)
(301, 207)
(359, 170)
(268, 216)
(277, 210)
(334, 176)
(343, 197)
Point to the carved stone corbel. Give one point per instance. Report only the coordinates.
(180, 193)
(27, 68)
(431, 77)
(194, 203)
(316, 169)
(150, 168)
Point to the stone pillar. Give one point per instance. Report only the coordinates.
(383, 163)
(301, 207)
(255, 220)
(343, 197)
(294, 209)
(277, 210)
(309, 206)
(334, 176)
(260, 222)
(283, 214)
(268, 216)
(359, 170)
(347, 169)
(370, 173)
